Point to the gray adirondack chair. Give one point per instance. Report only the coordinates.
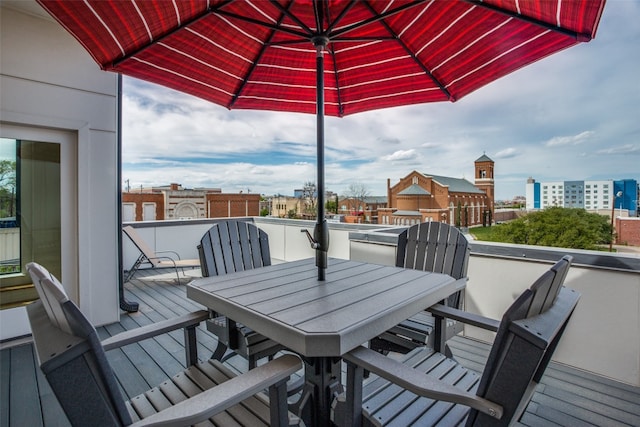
(155, 259)
(74, 362)
(227, 247)
(427, 388)
(428, 246)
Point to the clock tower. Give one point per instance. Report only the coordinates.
(484, 180)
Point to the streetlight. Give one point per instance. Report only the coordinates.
(613, 206)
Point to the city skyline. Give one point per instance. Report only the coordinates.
(571, 116)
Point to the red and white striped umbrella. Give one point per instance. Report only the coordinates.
(334, 57)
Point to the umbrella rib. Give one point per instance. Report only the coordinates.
(318, 12)
(264, 24)
(414, 57)
(254, 63)
(338, 95)
(293, 17)
(180, 27)
(581, 37)
(375, 17)
(341, 15)
(362, 39)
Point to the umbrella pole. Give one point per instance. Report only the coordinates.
(321, 230)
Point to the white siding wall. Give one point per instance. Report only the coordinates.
(598, 194)
(551, 194)
(49, 82)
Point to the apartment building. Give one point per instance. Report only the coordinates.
(589, 195)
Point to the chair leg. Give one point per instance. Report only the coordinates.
(191, 345)
(219, 352)
(134, 268)
(278, 404)
(353, 415)
(177, 274)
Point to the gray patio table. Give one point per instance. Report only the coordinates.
(322, 320)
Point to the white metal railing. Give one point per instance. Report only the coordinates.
(603, 336)
(9, 244)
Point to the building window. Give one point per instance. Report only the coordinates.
(149, 211)
(128, 212)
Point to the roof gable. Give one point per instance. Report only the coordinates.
(414, 190)
(483, 158)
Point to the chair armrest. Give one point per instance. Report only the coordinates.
(464, 317)
(221, 397)
(154, 329)
(420, 384)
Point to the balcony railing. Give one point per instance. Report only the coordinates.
(603, 336)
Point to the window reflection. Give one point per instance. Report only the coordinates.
(30, 215)
(9, 229)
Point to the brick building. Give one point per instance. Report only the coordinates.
(363, 210)
(422, 197)
(175, 202)
(284, 206)
(628, 231)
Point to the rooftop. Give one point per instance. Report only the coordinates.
(456, 184)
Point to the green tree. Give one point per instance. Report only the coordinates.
(331, 206)
(558, 227)
(7, 188)
(264, 212)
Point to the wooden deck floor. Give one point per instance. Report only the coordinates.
(566, 396)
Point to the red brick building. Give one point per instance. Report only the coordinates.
(420, 197)
(628, 231)
(175, 202)
(363, 210)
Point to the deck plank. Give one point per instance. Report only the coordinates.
(24, 399)
(5, 386)
(52, 413)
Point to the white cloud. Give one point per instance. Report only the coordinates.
(570, 140)
(622, 149)
(401, 155)
(507, 153)
(573, 101)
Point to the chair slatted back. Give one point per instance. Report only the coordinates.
(231, 246)
(72, 358)
(52, 295)
(437, 247)
(528, 335)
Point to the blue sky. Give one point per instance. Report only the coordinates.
(572, 116)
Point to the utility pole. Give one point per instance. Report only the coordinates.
(613, 207)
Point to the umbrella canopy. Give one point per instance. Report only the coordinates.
(334, 57)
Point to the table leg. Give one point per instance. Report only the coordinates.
(322, 384)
